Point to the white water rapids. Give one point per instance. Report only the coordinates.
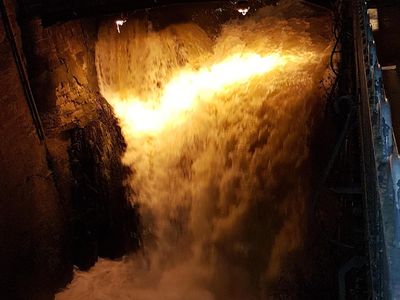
(218, 134)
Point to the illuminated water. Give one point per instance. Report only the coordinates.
(218, 135)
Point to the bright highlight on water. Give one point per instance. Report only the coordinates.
(182, 91)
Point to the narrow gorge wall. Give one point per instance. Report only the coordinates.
(63, 201)
(32, 239)
(83, 138)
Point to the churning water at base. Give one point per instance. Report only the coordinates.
(218, 133)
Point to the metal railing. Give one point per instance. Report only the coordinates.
(382, 166)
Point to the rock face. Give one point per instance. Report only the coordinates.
(63, 201)
(84, 140)
(103, 223)
(63, 75)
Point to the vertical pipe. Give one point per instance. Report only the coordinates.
(22, 72)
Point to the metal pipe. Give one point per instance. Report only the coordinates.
(22, 72)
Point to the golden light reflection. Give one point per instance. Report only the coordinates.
(182, 92)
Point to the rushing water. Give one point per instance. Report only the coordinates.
(218, 133)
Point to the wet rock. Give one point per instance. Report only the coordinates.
(103, 222)
(83, 139)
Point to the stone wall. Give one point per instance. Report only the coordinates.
(62, 200)
(33, 260)
(84, 139)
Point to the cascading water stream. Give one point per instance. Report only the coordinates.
(218, 133)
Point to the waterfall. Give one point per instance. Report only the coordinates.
(218, 134)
